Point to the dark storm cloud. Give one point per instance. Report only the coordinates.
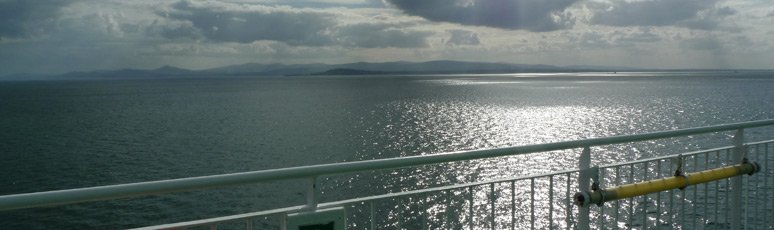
(693, 14)
(532, 15)
(23, 18)
(232, 25)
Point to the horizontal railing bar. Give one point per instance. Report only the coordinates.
(221, 219)
(627, 163)
(350, 201)
(759, 142)
(440, 189)
(60, 197)
(684, 154)
(415, 192)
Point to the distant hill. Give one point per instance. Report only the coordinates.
(452, 67)
(164, 71)
(401, 67)
(598, 67)
(357, 68)
(345, 71)
(268, 69)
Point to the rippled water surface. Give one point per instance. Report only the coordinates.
(70, 134)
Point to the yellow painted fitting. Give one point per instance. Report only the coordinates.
(663, 184)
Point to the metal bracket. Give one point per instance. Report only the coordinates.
(678, 162)
(679, 172)
(596, 184)
(594, 174)
(583, 197)
(311, 194)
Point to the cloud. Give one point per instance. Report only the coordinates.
(725, 43)
(709, 19)
(649, 13)
(369, 35)
(185, 30)
(226, 23)
(703, 43)
(725, 11)
(693, 14)
(463, 37)
(24, 19)
(594, 40)
(223, 22)
(323, 3)
(532, 15)
(643, 36)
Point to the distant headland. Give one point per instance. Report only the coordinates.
(317, 69)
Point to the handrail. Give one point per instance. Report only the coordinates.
(51, 198)
(341, 203)
(373, 198)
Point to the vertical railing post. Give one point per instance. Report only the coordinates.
(311, 194)
(470, 208)
(371, 215)
(736, 182)
(493, 221)
(584, 177)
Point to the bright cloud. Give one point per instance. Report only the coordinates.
(65, 35)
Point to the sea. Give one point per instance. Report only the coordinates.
(65, 134)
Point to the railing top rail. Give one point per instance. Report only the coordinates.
(373, 198)
(60, 197)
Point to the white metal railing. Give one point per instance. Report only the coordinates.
(538, 201)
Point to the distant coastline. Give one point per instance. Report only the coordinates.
(358, 68)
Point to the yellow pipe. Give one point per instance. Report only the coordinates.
(663, 184)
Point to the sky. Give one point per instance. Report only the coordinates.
(57, 36)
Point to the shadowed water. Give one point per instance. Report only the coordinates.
(70, 134)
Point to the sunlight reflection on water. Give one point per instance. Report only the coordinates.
(420, 127)
(109, 132)
(454, 126)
